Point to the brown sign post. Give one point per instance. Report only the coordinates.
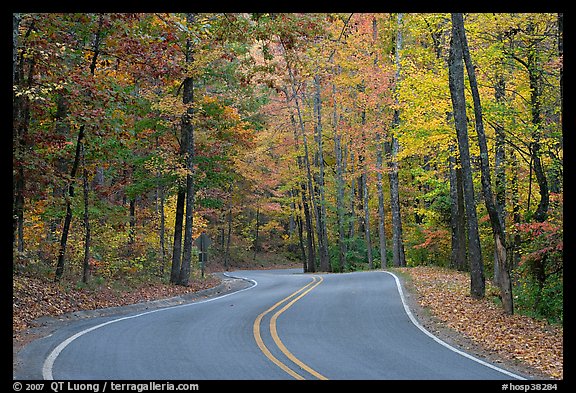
(203, 242)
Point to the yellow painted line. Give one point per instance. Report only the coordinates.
(256, 330)
(279, 342)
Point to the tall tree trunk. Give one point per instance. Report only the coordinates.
(68, 217)
(79, 147)
(321, 204)
(340, 209)
(131, 220)
(496, 220)
(229, 230)
(188, 129)
(459, 259)
(352, 221)
(300, 228)
(398, 258)
(21, 121)
(86, 264)
(456, 84)
(178, 221)
(257, 233)
(160, 199)
(363, 192)
(310, 263)
(499, 172)
(535, 76)
(16, 18)
(515, 200)
(379, 154)
(162, 229)
(62, 128)
(381, 213)
(367, 221)
(309, 260)
(309, 187)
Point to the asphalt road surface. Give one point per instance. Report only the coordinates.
(286, 325)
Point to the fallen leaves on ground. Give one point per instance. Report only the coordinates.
(33, 298)
(445, 293)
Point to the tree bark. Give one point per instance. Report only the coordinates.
(188, 129)
(398, 258)
(162, 230)
(131, 220)
(381, 213)
(499, 172)
(541, 212)
(16, 18)
(21, 121)
(456, 84)
(306, 164)
(340, 208)
(515, 200)
(86, 264)
(79, 147)
(309, 259)
(228, 239)
(363, 192)
(68, 217)
(496, 220)
(177, 242)
(352, 221)
(459, 258)
(257, 233)
(321, 204)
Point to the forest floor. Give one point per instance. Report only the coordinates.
(441, 299)
(438, 298)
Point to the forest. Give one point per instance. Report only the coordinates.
(338, 141)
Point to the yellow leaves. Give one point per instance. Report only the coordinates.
(445, 293)
(170, 105)
(37, 93)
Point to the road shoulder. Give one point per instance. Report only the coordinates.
(45, 326)
(455, 338)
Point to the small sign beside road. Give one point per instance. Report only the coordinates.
(203, 242)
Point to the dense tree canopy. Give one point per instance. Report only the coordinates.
(330, 138)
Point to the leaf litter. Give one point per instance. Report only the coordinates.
(445, 293)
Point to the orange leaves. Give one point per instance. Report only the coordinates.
(445, 293)
(33, 298)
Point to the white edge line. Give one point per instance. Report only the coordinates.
(49, 362)
(423, 329)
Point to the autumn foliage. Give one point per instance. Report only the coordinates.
(327, 139)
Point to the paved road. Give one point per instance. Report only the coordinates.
(287, 325)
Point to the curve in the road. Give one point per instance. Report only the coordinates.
(439, 341)
(51, 358)
(274, 332)
(294, 366)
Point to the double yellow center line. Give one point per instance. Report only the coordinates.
(256, 328)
